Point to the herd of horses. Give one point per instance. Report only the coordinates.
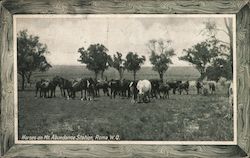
(141, 90)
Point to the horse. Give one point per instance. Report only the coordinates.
(65, 86)
(115, 87)
(210, 86)
(101, 84)
(86, 85)
(39, 87)
(133, 90)
(124, 88)
(155, 83)
(184, 86)
(144, 87)
(45, 86)
(198, 86)
(164, 90)
(174, 85)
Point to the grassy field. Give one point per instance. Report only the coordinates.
(180, 118)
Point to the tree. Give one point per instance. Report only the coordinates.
(30, 55)
(201, 55)
(219, 68)
(95, 58)
(119, 64)
(133, 62)
(161, 54)
(211, 29)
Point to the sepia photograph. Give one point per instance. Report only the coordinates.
(122, 77)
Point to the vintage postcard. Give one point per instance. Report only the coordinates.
(125, 79)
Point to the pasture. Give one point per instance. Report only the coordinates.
(181, 118)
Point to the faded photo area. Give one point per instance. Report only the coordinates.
(125, 77)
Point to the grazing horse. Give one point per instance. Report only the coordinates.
(144, 87)
(184, 86)
(198, 86)
(164, 90)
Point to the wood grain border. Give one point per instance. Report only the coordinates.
(241, 8)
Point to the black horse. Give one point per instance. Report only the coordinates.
(184, 86)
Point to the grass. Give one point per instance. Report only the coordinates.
(181, 118)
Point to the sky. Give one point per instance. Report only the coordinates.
(122, 33)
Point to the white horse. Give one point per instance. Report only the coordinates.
(144, 87)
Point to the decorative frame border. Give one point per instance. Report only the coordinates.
(241, 8)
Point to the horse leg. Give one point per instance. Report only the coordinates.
(54, 91)
(114, 93)
(81, 94)
(64, 95)
(61, 92)
(111, 93)
(69, 95)
(85, 94)
(40, 92)
(51, 93)
(36, 92)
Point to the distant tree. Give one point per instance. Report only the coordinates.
(95, 58)
(219, 68)
(119, 64)
(133, 62)
(161, 54)
(211, 30)
(30, 56)
(201, 56)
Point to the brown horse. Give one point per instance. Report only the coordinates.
(86, 84)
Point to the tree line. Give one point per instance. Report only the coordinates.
(97, 59)
(212, 57)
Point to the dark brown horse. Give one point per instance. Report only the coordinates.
(184, 86)
(164, 89)
(47, 87)
(86, 84)
(101, 84)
